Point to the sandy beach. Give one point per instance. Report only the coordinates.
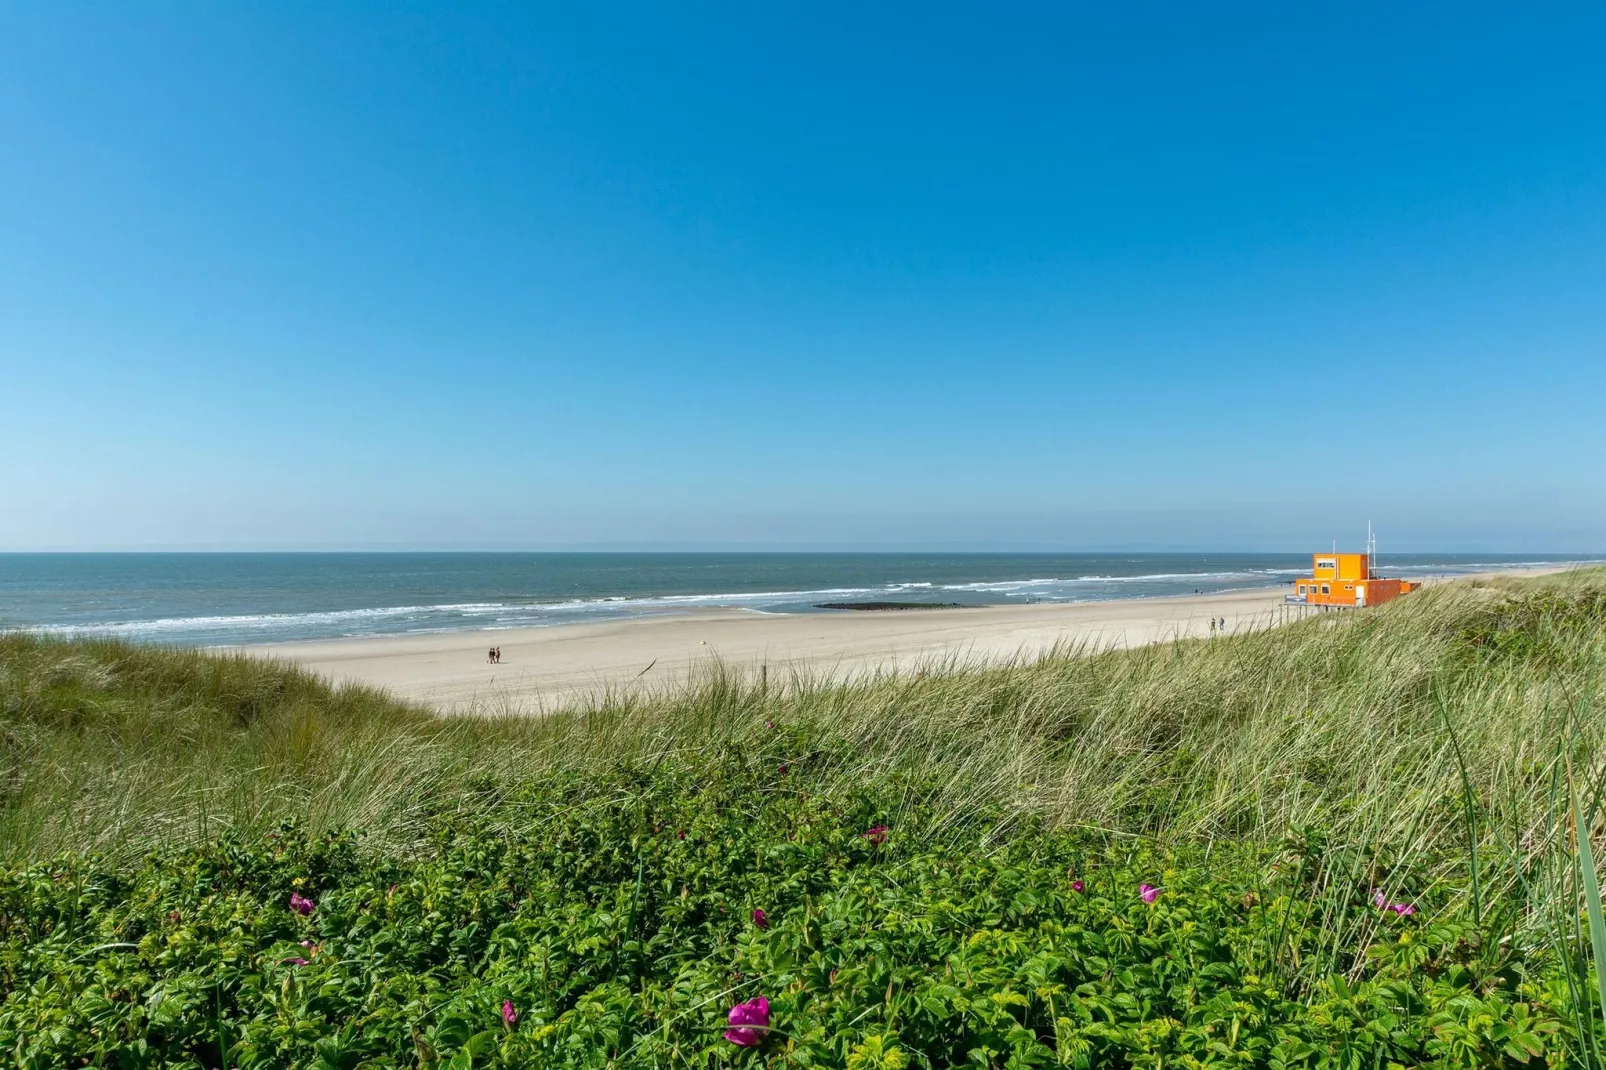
(544, 668)
(547, 668)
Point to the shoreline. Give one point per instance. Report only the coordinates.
(544, 669)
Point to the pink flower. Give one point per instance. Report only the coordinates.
(876, 835)
(749, 1022)
(761, 919)
(1077, 886)
(509, 1015)
(298, 961)
(1404, 910)
(301, 904)
(768, 723)
(1148, 892)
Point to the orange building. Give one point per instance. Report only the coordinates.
(1346, 580)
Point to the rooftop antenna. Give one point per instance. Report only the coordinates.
(1371, 551)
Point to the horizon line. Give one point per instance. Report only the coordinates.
(758, 548)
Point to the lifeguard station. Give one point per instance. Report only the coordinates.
(1347, 581)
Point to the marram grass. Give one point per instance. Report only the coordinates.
(1348, 723)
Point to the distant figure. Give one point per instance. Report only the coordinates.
(490, 655)
(1223, 628)
(1212, 626)
(496, 655)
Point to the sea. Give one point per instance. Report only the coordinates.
(226, 599)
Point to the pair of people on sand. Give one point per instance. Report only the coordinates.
(496, 656)
(1218, 624)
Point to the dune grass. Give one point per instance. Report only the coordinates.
(1374, 727)
(1448, 745)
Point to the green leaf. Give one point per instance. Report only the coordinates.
(1597, 922)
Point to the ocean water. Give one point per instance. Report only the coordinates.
(225, 599)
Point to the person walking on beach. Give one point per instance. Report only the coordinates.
(493, 655)
(1212, 626)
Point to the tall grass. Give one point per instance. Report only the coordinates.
(1407, 729)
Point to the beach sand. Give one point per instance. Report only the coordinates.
(548, 668)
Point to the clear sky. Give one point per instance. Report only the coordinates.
(989, 276)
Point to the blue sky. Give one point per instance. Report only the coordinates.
(338, 276)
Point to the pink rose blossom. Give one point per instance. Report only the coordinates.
(750, 1021)
(1148, 892)
(1077, 886)
(761, 919)
(509, 1015)
(301, 904)
(876, 835)
(1403, 910)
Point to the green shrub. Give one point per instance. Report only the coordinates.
(616, 918)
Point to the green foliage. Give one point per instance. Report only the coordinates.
(1539, 630)
(616, 916)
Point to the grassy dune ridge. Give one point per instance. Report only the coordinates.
(1339, 722)
(1270, 783)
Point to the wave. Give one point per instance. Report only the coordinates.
(1002, 585)
(247, 620)
(1147, 577)
(1226, 574)
(1475, 566)
(418, 619)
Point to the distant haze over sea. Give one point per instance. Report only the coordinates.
(237, 598)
